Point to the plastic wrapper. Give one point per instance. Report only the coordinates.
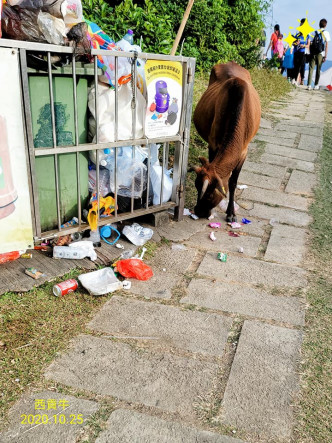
(134, 268)
(53, 29)
(100, 282)
(137, 234)
(21, 24)
(104, 181)
(72, 13)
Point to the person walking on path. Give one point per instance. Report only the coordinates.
(300, 46)
(318, 52)
(273, 41)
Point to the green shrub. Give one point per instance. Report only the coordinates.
(217, 30)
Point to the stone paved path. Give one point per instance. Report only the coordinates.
(205, 351)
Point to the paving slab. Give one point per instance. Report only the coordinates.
(298, 154)
(277, 134)
(167, 266)
(62, 425)
(311, 143)
(166, 325)
(255, 228)
(261, 168)
(287, 244)
(302, 129)
(281, 215)
(160, 380)
(245, 300)
(301, 183)
(265, 123)
(263, 381)
(261, 181)
(275, 198)
(224, 242)
(250, 271)
(296, 125)
(272, 139)
(288, 162)
(179, 231)
(126, 426)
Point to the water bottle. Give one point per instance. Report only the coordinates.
(129, 37)
(67, 252)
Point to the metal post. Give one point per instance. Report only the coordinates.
(97, 133)
(56, 167)
(78, 181)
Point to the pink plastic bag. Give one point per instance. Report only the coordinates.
(134, 268)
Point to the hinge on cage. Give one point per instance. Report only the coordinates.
(189, 75)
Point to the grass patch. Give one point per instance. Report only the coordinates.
(270, 85)
(314, 409)
(34, 327)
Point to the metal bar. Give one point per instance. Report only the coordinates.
(148, 183)
(78, 174)
(162, 177)
(97, 134)
(116, 182)
(167, 154)
(29, 143)
(133, 180)
(105, 221)
(45, 47)
(56, 167)
(91, 146)
(178, 214)
(116, 103)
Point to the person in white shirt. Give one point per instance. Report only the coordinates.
(318, 59)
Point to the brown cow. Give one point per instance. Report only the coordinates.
(227, 117)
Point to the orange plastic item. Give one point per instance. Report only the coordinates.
(134, 268)
(9, 256)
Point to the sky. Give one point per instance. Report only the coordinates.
(286, 13)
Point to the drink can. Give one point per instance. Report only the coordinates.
(26, 255)
(65, 287)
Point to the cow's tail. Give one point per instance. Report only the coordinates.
(236, 90)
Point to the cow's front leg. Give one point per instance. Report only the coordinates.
(230, 212)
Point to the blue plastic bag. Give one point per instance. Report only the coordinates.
(288, 62)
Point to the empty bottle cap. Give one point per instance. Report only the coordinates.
(130, 31)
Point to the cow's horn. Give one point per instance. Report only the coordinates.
(204, 188)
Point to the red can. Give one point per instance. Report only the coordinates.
(65, 287)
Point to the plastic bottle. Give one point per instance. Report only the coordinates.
(71, 253)
(129, 37)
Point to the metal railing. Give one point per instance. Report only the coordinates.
(180, 140)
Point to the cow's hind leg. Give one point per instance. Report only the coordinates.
(230, 212)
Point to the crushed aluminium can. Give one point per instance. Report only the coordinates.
(65, 287)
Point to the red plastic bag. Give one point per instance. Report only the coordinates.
(9, 256)
(134, 268)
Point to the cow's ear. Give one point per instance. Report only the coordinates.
(204, 161)
(196, 169)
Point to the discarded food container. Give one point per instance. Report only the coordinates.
(32, 272)
(65, 287)
(100, 282)
(137, 234)
(134, 268)
(222, 257)
(106, 233)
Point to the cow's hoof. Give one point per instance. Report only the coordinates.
(231, 219)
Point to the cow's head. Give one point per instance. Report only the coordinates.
(210, 187)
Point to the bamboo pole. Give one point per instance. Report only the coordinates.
(181, 28)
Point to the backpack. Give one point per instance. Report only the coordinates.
(279, 49)
(317, 44)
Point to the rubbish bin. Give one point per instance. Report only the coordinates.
(65, 134)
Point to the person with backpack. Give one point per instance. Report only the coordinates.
(318, 52)
(273, 40)
(300, 46)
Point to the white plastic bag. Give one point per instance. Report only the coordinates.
(156, 172)
(53, 28)
(100, 282)
(72, 12)
(106, 113)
